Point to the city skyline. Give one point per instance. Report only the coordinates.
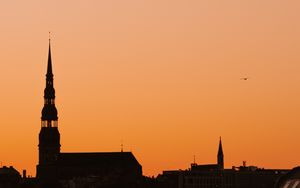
(165, 84)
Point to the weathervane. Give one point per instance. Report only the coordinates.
(49, 36)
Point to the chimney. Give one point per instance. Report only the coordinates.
(24, 174)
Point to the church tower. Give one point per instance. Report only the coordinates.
(220, 155)
(49, 137)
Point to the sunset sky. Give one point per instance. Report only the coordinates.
(161, 76)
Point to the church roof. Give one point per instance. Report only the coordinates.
(205, 167)
(97, 159)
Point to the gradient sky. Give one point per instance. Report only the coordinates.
(161, 75)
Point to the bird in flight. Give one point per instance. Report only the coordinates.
(245, 78)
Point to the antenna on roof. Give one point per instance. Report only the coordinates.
(122, 145)
(49, 36)
(194, 162)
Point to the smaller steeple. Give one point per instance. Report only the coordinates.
(220, 155)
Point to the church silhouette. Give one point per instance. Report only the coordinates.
(55, 166)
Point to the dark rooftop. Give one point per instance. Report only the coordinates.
(97, 158)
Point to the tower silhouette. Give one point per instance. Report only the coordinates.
(220, 155)
(55, 166)
(49, 137)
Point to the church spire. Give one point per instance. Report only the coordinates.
(220, 155)
(49, 67)
(49, 137)
(49, 112)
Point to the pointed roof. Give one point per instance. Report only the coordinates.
(49, 67)
(220, 151)
(49, 90)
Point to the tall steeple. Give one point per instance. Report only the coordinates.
(49, 112)
(220, 155)
(49, 137)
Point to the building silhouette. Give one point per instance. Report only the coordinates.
(216, 176)
(9, 177)
(218, 166)
(290, 180)
(56, 168)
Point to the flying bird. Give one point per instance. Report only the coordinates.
(245, 78)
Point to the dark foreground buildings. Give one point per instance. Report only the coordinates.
(215, 176)
(9, 177)
(290, 180)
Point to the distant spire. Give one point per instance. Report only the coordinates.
(220, 151)
(220, 155)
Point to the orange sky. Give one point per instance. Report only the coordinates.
(161, 75)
